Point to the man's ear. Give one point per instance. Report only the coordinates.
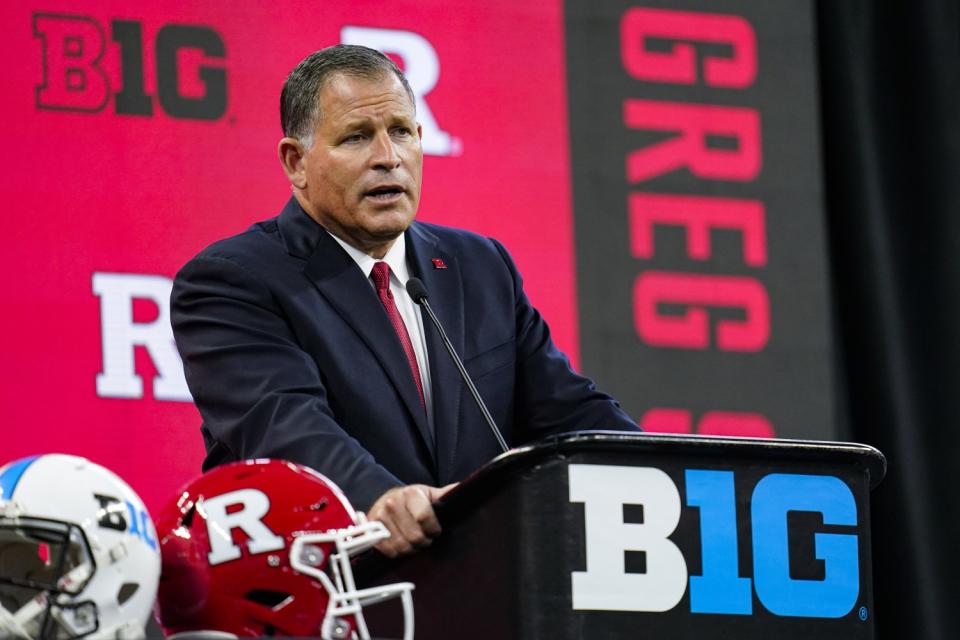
(292, 158)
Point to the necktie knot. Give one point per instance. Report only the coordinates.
(381, 276)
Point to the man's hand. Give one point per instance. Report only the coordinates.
(408, 514)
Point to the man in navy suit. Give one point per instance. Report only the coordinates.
(300, 342)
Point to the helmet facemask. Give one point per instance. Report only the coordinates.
(44, 566)
(345, 608)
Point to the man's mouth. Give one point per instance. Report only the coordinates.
(384, 192)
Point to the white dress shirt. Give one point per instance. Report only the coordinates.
(399, 274)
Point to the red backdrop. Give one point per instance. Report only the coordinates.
(137, 134)
(91, 188)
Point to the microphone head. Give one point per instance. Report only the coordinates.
(417, 290)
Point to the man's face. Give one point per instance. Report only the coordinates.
(364, 168)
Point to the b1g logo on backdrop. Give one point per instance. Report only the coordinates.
(74, 77)
(634, 564)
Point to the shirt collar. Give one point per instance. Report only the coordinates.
(396, 257)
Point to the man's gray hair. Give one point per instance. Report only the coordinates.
(299, 100)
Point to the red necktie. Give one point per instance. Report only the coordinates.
(381, 278)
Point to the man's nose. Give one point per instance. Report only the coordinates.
(384, 153)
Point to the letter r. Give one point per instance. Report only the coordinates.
(421, 66)
(249, 518)
(120, 335)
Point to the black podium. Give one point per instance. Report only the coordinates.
(610, 535)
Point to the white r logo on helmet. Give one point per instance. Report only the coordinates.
(220, 524)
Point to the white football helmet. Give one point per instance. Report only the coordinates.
(78, 552)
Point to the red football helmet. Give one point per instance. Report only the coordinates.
(263, 547)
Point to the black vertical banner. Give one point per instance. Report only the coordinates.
(701, 255)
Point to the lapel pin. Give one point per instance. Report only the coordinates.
(438, 263)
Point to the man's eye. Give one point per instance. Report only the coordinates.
(401, 131)
(353, 138)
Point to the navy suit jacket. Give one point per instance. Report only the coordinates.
(289, 354)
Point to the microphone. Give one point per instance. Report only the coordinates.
(418, 292)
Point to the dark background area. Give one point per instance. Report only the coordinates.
(786, 379)
(890, 95)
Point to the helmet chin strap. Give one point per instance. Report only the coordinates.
(9, 624)
(30, 614)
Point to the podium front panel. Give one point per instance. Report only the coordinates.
(596, 537)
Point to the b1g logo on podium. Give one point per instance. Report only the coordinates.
(632, 511)
(75, 77)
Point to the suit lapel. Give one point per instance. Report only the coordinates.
(445, 291)
(341, 282)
